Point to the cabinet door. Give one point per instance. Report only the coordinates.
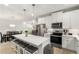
(77, 50)
(77, 47)
(68, 42)
(64, 42)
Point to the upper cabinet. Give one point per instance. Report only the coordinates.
(71, 19)
(66, 20)
(74, 19)
(57, 17)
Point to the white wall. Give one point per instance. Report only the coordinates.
(4, 24)
(19, 25)
(8, 16)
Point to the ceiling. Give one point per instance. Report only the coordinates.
(15, 11)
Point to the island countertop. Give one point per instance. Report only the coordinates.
(32, 39)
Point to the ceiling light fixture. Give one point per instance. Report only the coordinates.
(33, 5)
(33, 12)
(24, 10)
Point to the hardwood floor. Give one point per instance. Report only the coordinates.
(62, 51)
(10, 48)
(7, 48)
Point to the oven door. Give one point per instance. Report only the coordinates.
(56, 40)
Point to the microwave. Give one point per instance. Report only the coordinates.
(57, 25)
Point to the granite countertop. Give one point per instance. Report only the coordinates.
(74, 36)
(31, 39)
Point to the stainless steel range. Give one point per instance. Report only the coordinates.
(56, 36)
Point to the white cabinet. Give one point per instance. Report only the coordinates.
(77, 47)
(66, 20)
(71, 19)
(77, 50)
(68, 42)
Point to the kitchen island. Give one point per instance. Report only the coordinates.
(36, 41)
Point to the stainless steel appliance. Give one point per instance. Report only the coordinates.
(57, 25)
(56, 36)
(40, 30)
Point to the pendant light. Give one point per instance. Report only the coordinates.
(24, 10)
(33, 13)
(34, 16)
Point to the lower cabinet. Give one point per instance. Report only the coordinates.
(77, 50)
(68, 42)
(77, 47)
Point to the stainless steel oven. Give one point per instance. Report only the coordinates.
(56, 38)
